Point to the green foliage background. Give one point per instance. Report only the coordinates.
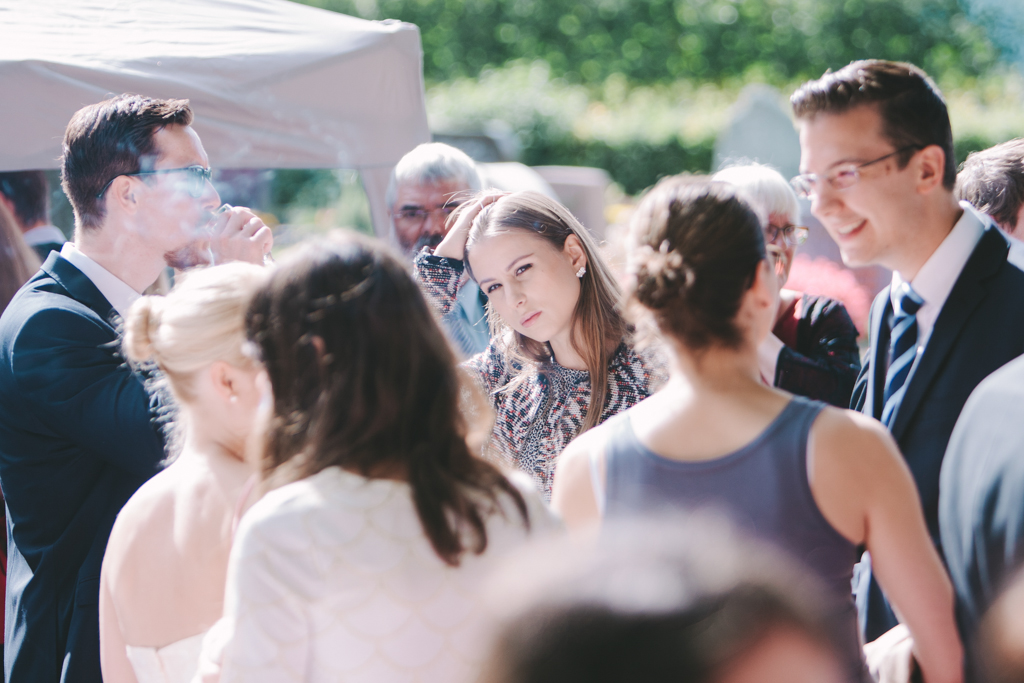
(642, 87)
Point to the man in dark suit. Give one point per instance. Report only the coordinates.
(981, 501)
(26, 194)
(877, 163)
(79, 432)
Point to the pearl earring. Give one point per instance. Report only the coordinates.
(581, 272)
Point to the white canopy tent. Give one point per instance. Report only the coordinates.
(273, 84)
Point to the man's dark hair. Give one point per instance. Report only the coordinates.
(29, 192)
(992, 180)
(913, 111)
(109, 139)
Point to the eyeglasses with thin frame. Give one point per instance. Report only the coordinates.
(418, 215)
(791, 235)
(196, 177)
(840, 177)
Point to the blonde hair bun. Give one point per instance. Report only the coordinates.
(142, 329)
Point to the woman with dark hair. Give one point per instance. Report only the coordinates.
(17, 264)
(817, 481)
(17, 260)
(559, 344)
(702, 604)
(363, 560)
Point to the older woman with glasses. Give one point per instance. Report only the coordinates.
(812, 350)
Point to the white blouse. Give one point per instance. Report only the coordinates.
(332, 579)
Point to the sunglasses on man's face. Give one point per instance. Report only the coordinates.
(194, 183)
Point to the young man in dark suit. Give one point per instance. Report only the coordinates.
(877, 163)
(79, 432)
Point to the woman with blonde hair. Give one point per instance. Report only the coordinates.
(814, 480)
(560, 359)
(162, 584)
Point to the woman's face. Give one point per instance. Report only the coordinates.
(777, 222)
(529, 282)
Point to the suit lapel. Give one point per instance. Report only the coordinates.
(970, 288)
(78, 286)
(879, 358)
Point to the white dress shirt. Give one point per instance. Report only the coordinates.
(935, 280)
(120, 295)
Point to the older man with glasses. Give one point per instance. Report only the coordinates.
(812, 350)
(79, 431)
(877, 164)
(427, 185)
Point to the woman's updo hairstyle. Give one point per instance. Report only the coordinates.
(696, 246)
(201, 320)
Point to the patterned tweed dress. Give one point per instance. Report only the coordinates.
(536, 420)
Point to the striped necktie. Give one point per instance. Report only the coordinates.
(902, 350)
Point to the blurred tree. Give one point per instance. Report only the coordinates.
(777, 41)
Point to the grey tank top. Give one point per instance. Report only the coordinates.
(762, 487)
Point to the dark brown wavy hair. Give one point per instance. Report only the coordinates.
(364, 379)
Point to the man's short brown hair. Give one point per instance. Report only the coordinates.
(109, 139)
(992, 180)
(913, 111)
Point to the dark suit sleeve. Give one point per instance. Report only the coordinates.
(67, 366)
(826, 360)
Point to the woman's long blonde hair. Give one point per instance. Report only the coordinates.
(597, 323)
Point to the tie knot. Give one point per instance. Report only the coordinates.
(908, 302)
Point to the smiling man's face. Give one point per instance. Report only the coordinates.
(868, 220)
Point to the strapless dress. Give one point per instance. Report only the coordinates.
(174, 663)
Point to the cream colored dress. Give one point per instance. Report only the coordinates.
(332, 579)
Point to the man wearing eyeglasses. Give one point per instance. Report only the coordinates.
(79, 432)
(426, 186)
(877, 164)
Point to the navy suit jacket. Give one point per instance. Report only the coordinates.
(78, 435)
(979, 329)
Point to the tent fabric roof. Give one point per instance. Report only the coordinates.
(273, 84)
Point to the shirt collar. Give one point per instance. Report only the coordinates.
(44, 234)
(939, 273)
(120, 295)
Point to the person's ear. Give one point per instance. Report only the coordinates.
(931, 168)
(122, 193)
(573, 248)
(223, 381)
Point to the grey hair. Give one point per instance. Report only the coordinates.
(763, 186)
(433, 162)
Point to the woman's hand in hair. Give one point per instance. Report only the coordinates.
(453, 245)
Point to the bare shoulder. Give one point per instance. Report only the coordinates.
(578, 452)
(848, 431)
(146, 515)
(853, 445)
